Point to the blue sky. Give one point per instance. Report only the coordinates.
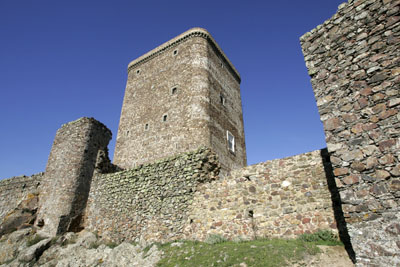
(62, 60)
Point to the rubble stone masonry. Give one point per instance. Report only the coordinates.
(354, 63)
(77, 147)
(15, 189)
(280, 198)
(149, 202)
(183, 198)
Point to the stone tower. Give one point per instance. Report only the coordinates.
(179, 96)
(66, 183)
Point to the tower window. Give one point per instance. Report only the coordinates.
(146, 126)
(222, 99)
(138, 71)
(174, 90)
(165, 118)
(231, 141)
(175, 52)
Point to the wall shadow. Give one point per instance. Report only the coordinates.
(337, 204)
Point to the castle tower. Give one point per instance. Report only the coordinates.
(69, 171)
(179, 96)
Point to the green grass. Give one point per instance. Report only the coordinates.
(217, 251)
(34, 240)
(322, 237)
(263, 253)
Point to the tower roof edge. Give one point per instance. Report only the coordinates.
(193, 32)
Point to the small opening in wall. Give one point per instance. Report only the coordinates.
(146, 126)
(222, 99)
(174, 90)
(191, 220)
(165, 118)
(221, 64)
(231, 141)
(250, 213)
(127, 132)
(247, 177)
(40, 223)
(175, 52)
(138, 71)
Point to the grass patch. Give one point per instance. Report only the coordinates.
(111, 244)
(34, 240)
(322, 237)
(215, 239)
(263, 253)
(94, 245)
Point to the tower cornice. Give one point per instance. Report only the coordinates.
(194, 32)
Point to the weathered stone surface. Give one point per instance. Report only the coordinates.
(14, 190)
(366, 34)
(68, 175)
(34, 251)
(81, 250)
(279, 198)
(149, 202)
(12, 244)
(23, 215)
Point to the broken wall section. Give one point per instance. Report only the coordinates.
(353, 60)
(15, 189)
(77, 149)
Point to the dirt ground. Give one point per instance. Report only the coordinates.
(332, 256)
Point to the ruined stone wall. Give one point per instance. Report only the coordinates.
(354, 63)
(172, 103)
(77, 147)
(278, 198)
(15, 189)
(151, 201)
(178, 198)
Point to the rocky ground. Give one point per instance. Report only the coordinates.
(25, 248)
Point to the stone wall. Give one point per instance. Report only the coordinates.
(79, 147)
(151, 201)
(278, 198)
(15, 189)
(179, 198)
(354, 63)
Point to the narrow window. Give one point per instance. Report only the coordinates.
(146, 126)
(138, 71)
(250, 213)
(222, 99)
(174, 90)
(231, 141)
(175, 52)
(164, 118)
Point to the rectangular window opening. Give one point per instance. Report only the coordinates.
(222, 99)
(231, 141)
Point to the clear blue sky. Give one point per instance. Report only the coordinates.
(61, 60)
